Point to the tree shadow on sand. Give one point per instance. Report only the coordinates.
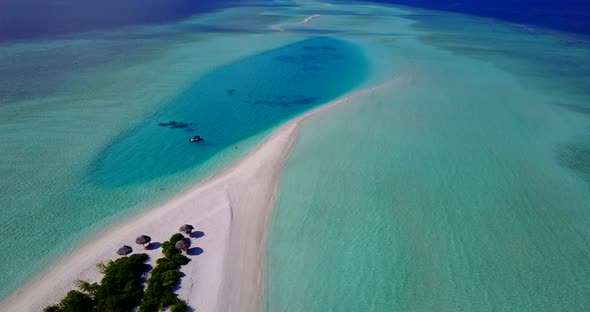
(195, 251)
(197, 234)
(153, 246)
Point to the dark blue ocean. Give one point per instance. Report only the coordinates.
(565, 15)
(25, 19)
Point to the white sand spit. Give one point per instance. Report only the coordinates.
(232, 211)
(281, 27)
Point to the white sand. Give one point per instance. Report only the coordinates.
(281, 27)
(232, 210)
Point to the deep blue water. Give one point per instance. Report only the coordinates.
(231, 103)
(22, 19)
(25, 19)
(565, 15)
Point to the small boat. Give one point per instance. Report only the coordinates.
(196, 138)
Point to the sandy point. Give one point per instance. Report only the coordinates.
(230, 211)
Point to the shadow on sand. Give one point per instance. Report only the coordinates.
(195, 251)
(153, 246)
(197, 234)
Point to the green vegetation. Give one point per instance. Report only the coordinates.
(75, 301)
(159, 293)
(179, 307)
(119, 290)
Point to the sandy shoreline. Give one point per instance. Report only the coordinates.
(232, 210)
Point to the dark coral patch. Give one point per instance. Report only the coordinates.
(576, 156)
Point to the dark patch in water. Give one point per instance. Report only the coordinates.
(175, 124)
(576, 156)
(575, 108)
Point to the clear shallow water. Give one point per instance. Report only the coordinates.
(228, 105)
(67, 102)
(451, 192)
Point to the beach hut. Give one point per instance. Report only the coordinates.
(125, 250)
(186, 229)
(183, 245)
(143, 239)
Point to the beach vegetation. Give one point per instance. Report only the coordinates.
(179, 307)
(74, 301)
(159, 293)
(119, 290)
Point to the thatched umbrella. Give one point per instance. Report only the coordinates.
(187, 229)
(143, 239)
(125, 250)
(183, 245)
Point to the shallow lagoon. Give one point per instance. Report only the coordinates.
(71, 101)
(229, 104)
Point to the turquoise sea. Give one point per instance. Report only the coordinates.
(230, 104)
(465, 187)
(94, 128)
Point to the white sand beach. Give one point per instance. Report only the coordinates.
(231, 209)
